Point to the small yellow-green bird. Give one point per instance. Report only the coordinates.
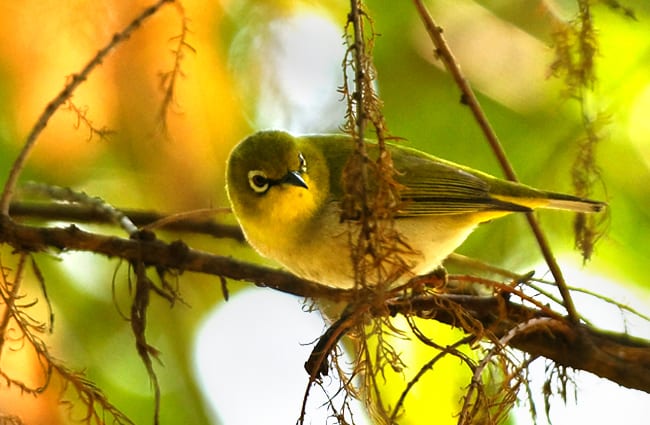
(286, 193)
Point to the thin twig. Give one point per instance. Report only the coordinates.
(190, 222)
(469, 98)
(68, 195)
(82, 119)
(75, 81)
(496, 349)
(317, 364)
(9, 292)
(169, 79)
(444, 351)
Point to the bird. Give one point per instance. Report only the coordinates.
(286, 193)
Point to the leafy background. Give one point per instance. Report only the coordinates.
(262, 64)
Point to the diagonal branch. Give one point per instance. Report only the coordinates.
(469, 98)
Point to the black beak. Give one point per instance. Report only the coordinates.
(294, 178)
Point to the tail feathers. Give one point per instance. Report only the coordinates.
(573, 203)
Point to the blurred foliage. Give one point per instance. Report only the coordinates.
(233, 82)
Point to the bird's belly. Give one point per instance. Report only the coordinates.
(324, 254)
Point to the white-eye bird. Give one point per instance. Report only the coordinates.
(286, 193)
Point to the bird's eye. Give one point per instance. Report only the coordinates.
(303, 164)
(258, 181)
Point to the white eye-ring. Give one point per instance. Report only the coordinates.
(303, 164)
(258, 181)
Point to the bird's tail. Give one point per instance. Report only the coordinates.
(573, 203)
(553, 200)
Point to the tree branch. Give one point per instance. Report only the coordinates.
(618, 357)
(153, 252)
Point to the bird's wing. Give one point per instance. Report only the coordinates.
(435, 187)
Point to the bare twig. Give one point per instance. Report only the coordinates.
(78, 213)
(469, 98)
(68, 195)
(75, 81)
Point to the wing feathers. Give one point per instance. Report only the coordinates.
(440, 189)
